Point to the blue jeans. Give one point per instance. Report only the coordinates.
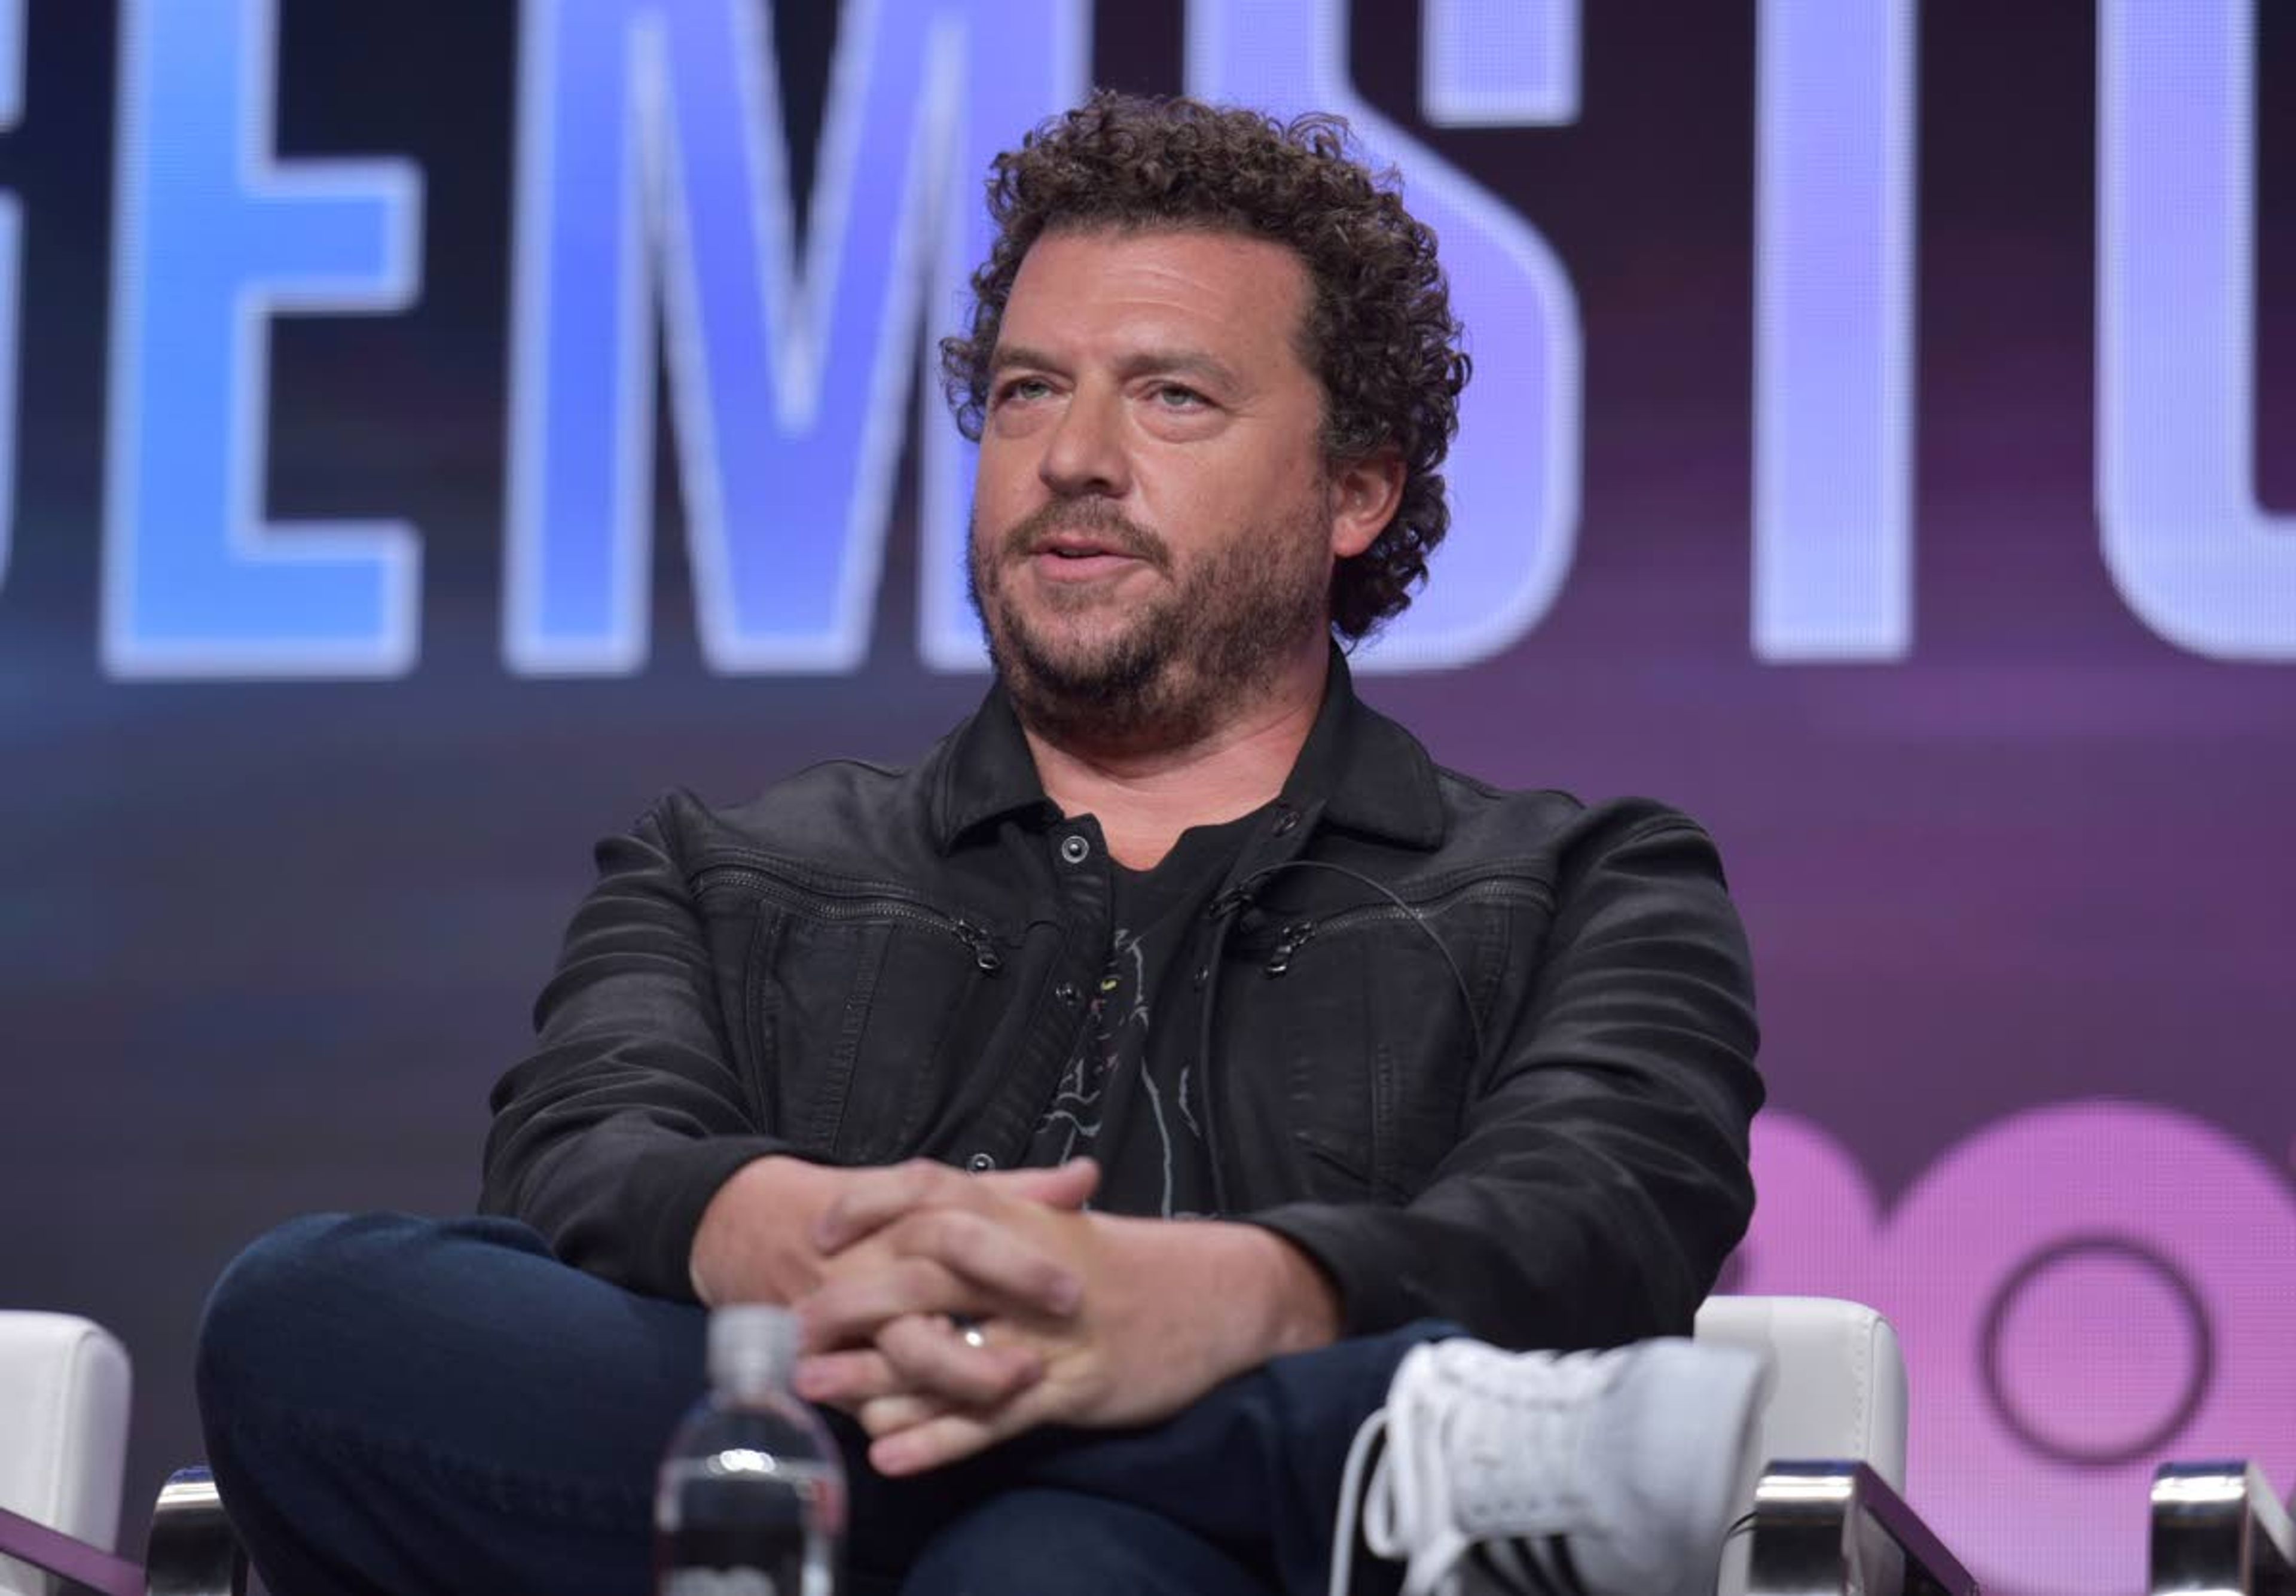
(409, 1407)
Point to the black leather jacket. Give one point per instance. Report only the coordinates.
(1485, 1055)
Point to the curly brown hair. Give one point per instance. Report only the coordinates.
(1379, 333)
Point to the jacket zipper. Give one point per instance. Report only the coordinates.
(1299, 933)
(1288, 941)
(878, 906)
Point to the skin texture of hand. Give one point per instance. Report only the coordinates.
(1164, 1310)
(756, 1243)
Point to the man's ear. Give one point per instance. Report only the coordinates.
(1365, 494)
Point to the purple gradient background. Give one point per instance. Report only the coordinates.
(263, 948)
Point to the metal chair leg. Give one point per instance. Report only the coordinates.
(1830, 1527)
(2216, 1527)
(193, 1551)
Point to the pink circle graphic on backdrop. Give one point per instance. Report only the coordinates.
(2157, 1372)
(2127, 1271)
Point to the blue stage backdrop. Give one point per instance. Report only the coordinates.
(438, 426)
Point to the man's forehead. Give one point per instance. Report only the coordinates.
(1166, 281)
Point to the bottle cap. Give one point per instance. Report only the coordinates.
(753, 1347)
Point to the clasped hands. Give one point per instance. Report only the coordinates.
(1084, 1318)
(1062, 1335)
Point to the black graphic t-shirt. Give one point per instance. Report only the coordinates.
(1130, 1096)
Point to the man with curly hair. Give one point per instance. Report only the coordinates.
(1144, 1096)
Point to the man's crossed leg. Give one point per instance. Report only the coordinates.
(406, 1406)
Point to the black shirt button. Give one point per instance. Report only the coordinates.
(1074, 849)
(981, 1164)
(1066, 993)
(1286, 820)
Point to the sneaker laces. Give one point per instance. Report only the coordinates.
(1481, 1445)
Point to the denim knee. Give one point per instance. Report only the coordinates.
(375, 1420)
(316, 1294)
(262, 1295)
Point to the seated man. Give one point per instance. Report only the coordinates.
(1124, 1093)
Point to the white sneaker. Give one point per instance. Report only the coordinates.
(1610, 1474)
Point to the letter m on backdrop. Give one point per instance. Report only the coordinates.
(654, 191)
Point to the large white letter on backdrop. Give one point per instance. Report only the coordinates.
(1514, 472)
(2191, 550)
(212, 237)
(1834, 314)
(650, 139)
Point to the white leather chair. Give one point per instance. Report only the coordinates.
(1827, 1512)
(64, 1386)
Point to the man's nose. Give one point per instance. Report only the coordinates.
(1085, 454)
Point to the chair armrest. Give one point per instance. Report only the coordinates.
(81, 1566)
(2217, 1526)
(192, 1549)
(1836, 1526)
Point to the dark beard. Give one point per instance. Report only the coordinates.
(1192, 655)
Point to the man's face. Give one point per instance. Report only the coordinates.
(1153, 529)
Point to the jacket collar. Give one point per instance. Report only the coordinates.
(1366, 772)
(984, 772)
(1357, 769)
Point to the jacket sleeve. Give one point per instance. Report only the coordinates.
(611, 1136)
(1601, 1176)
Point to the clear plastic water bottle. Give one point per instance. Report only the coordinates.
(751, 1500)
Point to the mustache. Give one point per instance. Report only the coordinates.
(1101, 521)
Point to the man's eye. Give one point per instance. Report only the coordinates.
(1022, 387)
(1173, 397)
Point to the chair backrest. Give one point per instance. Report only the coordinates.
(65, 1388)
(1837, 1390)
(1838, 1378)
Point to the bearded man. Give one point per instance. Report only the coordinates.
(1172, 1072)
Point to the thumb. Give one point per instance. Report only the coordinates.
(1069, 1185)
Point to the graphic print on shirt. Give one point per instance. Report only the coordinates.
(1108, 1082)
